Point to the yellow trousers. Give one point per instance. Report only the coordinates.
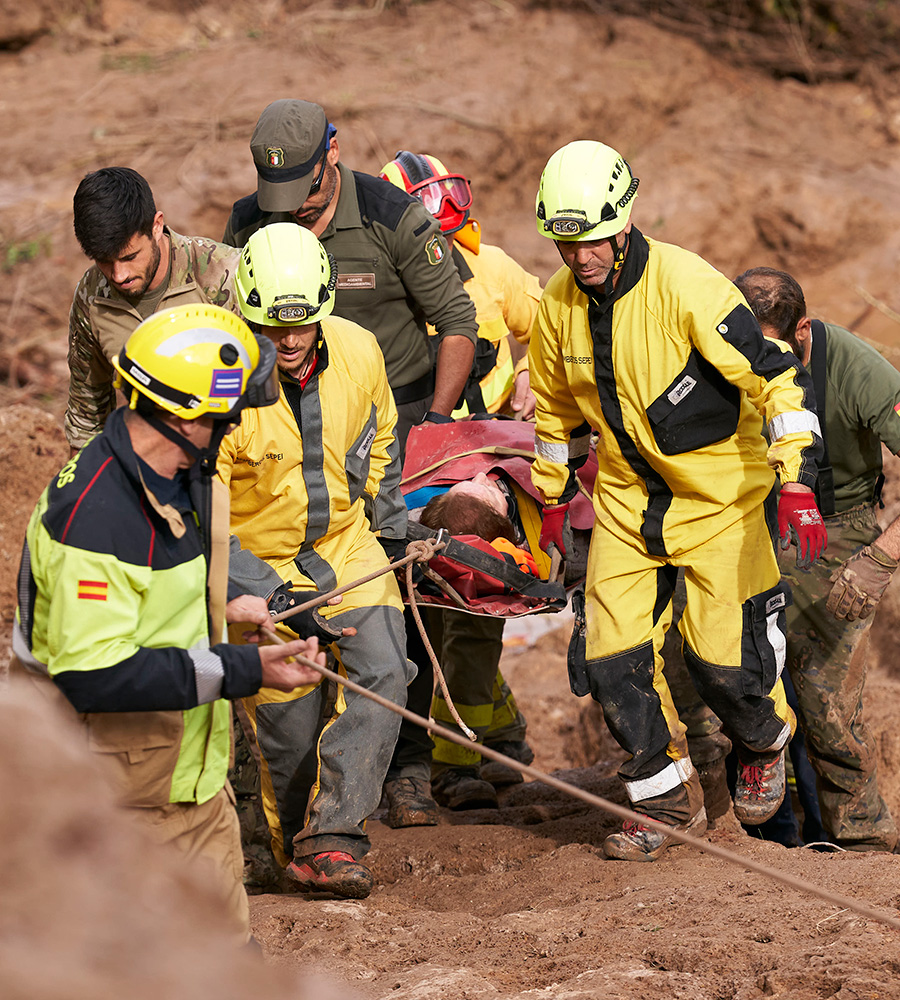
(734, 644)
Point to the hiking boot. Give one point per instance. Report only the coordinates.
(759, 789)
(333, 872)
(462, 788)
(636, 842)
(499, 774)
(410, 803)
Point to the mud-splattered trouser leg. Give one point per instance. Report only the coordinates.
(469, 648)
(698, 718)
(412, 755)
(827, 659)
(733, 619)
(321, 782)
(261, 872)
(707, 744)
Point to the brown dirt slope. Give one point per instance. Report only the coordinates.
(741, 167)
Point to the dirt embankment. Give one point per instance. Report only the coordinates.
(742, 167)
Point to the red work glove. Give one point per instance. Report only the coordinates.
(800, 522)
(555, 530)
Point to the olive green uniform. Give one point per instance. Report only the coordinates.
(827, 656)
(101, 320)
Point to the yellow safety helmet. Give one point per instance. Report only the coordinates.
(586, 192)
(197, 360)
(285, 277)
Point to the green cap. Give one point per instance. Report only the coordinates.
(287, 143)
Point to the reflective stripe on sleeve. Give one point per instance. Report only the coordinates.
(795, 422)
(551, 451)
(777, 640)
(671, 776)
(208, 674)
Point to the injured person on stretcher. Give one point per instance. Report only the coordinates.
(471, 478)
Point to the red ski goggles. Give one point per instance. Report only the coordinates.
(447, 198)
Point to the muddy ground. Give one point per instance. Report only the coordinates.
(743, 168)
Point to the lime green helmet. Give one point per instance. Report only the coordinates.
(586, 192)
(285, 277)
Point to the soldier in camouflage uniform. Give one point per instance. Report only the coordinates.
(858, 397)
(140, 266)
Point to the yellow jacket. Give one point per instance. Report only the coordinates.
(675, 375)
(506, 298)
(307, 501)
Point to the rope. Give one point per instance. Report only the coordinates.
(418, 551)
(435, 666)
(864, 909)
(421, 550)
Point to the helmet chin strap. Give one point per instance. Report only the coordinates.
(619, 253)
(206, 456)
(618, 260)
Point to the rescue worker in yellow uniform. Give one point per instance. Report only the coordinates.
(506, 297)
(651, 347)
(122, 590)
(312, 481)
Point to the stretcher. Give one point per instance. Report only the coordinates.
(467, 575)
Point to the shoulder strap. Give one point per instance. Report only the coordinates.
(825, 481)
(218, 560)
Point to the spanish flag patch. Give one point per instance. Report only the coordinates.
(897, 408)
(92, 590)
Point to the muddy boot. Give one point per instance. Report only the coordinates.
(410, 802)
(462, 788)
(332, 872)
(681, 808)
(760, 786)
(500, 775)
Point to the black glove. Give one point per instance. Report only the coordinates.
(394, 548)
(307, 623)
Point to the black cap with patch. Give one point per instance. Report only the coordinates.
(287, 143)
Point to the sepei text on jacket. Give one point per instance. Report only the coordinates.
(312, 477)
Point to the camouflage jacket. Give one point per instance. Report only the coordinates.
(101, 320)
